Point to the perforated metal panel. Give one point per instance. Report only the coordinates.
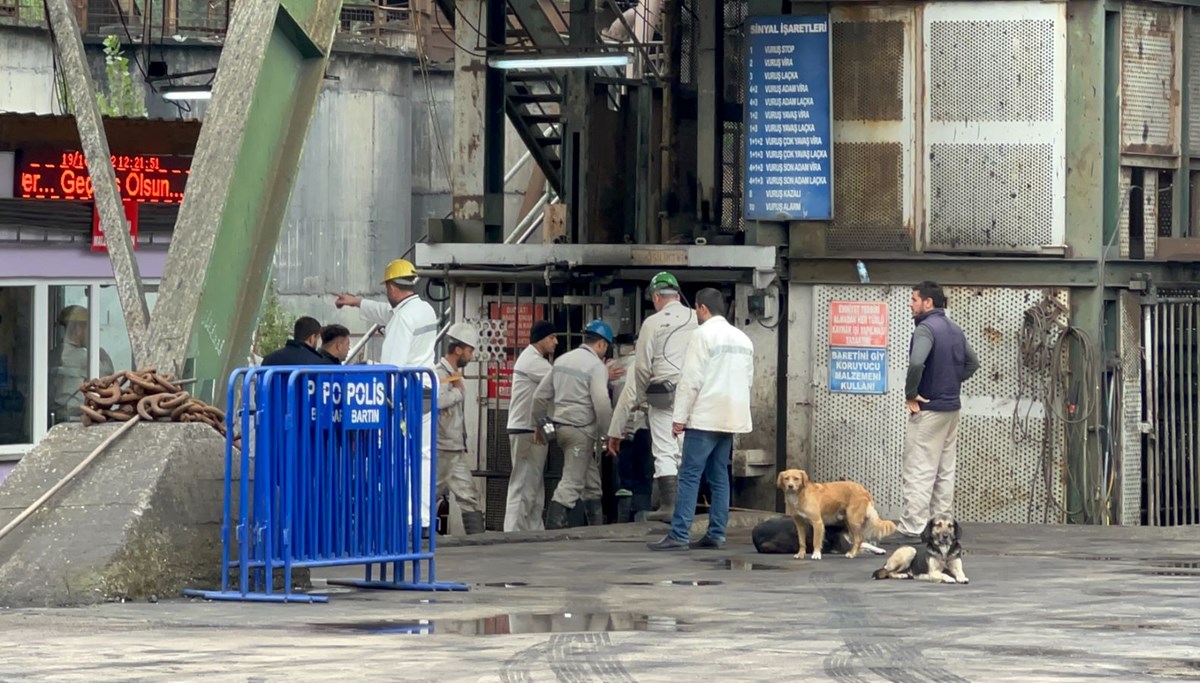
(999, 195)
(995, 122)
(1193, 84)
(862, 437)
(867, 182)
(1124, 186)
(1129, 344)
(1149, 90)
(992, 70)
(1150, 191)
(493, 335)
(733, 138)
(873, 130)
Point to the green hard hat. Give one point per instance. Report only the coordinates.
(664, 280)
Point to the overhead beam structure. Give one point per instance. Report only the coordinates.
(92, 138)
(243, 171)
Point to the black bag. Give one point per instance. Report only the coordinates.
(661, 395)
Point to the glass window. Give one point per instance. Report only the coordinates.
(16, 365)
(114, 336)
(68, 363)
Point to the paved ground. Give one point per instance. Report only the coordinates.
(1044, 604)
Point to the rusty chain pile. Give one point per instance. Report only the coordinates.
(152, 396)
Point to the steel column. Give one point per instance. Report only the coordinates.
(577, 125)
(467, 168)
(710, 100)
(267, 82)
(77, 75)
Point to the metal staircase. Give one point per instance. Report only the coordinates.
(534, 100)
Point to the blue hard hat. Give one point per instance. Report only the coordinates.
(600, 329)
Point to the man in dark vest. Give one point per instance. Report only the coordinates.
(939, 361)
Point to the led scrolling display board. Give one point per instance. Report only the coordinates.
(142, 178)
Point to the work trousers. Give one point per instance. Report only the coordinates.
(667, 447)
(704, 453)
(930, 452)
(581, 467)
(526, 484)
(454, 475)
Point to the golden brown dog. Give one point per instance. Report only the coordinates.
(810, 503)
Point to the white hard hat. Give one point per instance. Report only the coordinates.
(465, 333)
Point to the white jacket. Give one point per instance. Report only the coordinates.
(661, 347)
(410, 332)
(528, 372)
(714, 388)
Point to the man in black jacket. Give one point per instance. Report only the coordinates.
(335, 343)
(301, 348)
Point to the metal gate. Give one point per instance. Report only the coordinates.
(1171, 406)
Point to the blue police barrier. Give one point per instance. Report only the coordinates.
(330, 473)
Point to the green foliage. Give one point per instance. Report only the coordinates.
(124, 97)
(274, 323)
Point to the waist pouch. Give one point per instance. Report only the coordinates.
(661, 395)
(427, 402)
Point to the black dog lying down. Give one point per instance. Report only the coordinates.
(778, 536)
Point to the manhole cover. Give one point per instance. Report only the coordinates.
(512, 624)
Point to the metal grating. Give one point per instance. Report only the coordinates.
(732, 181)
(873, 130)
(493, 335)
(862, 437)
(1125, 190)
(991, 70)
(868, 206)
(991, 195)
(995, 125)
(1166, 202)
(687, 44)
(1129, 461)
(1193, 84)
(1150, 206)
(1149, 92)
(733, 139)
(868, 67)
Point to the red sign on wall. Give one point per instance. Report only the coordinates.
(520, 319)
(860, 324)
(99, 243)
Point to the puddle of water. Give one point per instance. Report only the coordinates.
(512, 624)
(690, 583)
(1193, 564)
(506, 584)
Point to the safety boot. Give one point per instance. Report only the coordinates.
(666, 499)
(624, 507)
(556, 515)
(473, 523)
(595, 512)
(641, 506)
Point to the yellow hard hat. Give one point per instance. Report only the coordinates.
(72, 314)
(399, 270)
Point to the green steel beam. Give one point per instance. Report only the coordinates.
(266, 88)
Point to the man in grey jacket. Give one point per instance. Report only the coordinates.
(575, 398)
(940, 360)
(453, 468)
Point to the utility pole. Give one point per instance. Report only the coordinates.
(104, 179)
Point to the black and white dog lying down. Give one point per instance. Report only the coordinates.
(939, 558)
(778, 536)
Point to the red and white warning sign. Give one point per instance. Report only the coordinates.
(860, 324)
(520, 319)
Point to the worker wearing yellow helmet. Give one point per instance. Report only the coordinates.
(409, 341)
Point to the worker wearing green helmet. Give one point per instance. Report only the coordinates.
(661, 345)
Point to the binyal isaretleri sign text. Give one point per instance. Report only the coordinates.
(789, 153)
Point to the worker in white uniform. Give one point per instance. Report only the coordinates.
(711, 406)
(410, 336)
(453, 468)
(526, 445)
(661, 345)
(574, 395)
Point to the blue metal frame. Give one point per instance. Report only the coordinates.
(326, 493)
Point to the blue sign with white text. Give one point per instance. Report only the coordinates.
(789, 153)
(857, 371)
(364, 401)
